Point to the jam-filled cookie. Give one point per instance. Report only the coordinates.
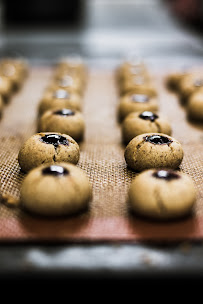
(173, 80)
(190, 84)
(60, 98)
(195, 106)
(137, 123)
(71, 63)
(136, 82)
(162, 194)
(69, 83)
(74, 67)
(153, 150)
(5, 88)
(1, 106)
(55, 190)
(130, 68)
(48, 148)
(15, 70)
(65, 121)
(136, 102)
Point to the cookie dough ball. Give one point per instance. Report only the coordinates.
(173, 80)
(55, 190)
(5, 88)
(64, 121)
(162, 194)
(74, 67)
(14, 70)
(131, 66)
(153, 150)
(195, 106)
(190, 84)
(48, 148)
(137, 101)
(137, 123)
(60, 98)
(68, 82)
(72, 62)
(136, 82)
(1, 106)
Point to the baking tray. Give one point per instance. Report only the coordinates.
(102, 158)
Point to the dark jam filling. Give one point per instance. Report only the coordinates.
(147, 115)
(198, 83)
(55, 170)
(166, 174)
(140, 98)
(158, 140)
(54, 139)
(64, 112)
(61, 94)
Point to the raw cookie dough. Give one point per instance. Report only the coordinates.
(137, 123)
(173, 80)
(5, 88)
(64, 121)
(135, 82)
(190, 84)
(48, 148)
(130, 67)
(1, 106)
(153, 150)
(54, 190)
(162, 194)
(55, 99)
(137, 101)
(74, 67)
(195, 106)
(14, 70)
(68, 82)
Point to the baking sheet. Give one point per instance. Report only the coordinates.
(102, 158)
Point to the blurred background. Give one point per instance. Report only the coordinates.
(42, 30)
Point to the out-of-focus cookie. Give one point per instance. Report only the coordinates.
(162, 194)
(63, 121)
(153, 150)
(195, 106)
(137, 123)
(1, 106)
(137, 101)
(190, 84)
(60, 98)
(15, 70)
(69, 83)
(131, 83)
(5, 88)
(55, 190)
(173, 79)
(130, 66)
(48, 148)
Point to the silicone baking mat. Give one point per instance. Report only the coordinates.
(102, 158)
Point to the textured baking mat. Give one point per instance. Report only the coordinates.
(102, 158)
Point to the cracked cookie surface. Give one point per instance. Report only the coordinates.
(162, 194)
(137, 123)
(136, 102)
(55, 99)
(153, 150)
(54, 190)
(48, 147)
(64, 121)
